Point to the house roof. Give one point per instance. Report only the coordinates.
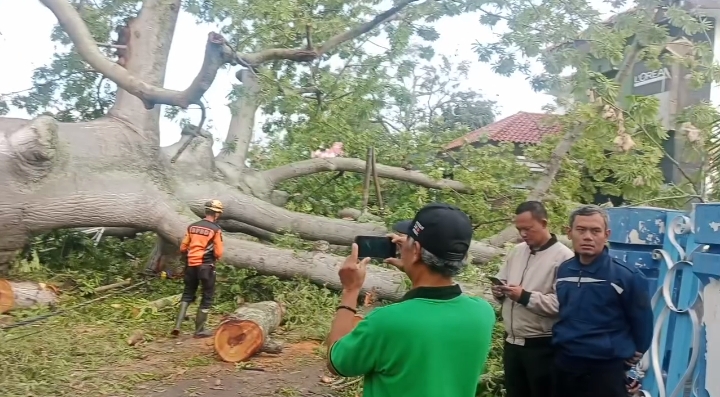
(522, 127)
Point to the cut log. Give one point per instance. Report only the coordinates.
(245, 332)
(25, 294)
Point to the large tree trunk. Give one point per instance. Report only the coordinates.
(24, 294)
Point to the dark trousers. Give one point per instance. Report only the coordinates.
(203, 276)
(597, 381)
(528, 369)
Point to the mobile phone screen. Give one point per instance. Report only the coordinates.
(375, 247)
(495, 281)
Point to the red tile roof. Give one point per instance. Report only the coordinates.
(522, 127)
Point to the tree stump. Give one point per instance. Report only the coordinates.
(245, 332)
(25, 294)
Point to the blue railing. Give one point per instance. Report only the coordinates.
(680, 255)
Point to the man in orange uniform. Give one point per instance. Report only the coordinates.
(201, 248)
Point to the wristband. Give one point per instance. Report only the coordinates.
(346, 308)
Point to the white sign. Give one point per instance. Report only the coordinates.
(652, 76)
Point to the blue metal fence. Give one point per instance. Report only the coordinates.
(680, 255)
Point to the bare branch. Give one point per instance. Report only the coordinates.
(308, 55)
(313, 166)
(217, 53)
(240, 130)
(193, 132)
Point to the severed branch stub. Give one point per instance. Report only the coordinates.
(217, 53)
(31, 148)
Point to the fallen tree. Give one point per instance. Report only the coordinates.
(111, 172)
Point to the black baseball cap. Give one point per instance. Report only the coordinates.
(442, 229)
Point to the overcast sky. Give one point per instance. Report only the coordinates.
(25, 49)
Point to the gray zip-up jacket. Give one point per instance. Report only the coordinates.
(536, 311)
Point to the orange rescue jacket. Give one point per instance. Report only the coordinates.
(203, 243)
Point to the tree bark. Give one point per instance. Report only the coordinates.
(24, 294)
(242, 122)
(246, 331)
(164, 256)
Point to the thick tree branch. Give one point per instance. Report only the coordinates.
(261, 214)
(313, 166)
(240, 131)
(308, 55)
(217, 53)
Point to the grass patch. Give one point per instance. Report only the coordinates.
(86, 352)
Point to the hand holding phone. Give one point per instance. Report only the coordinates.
(496, 281)
(379, 247)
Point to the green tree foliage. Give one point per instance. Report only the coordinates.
(622, 140)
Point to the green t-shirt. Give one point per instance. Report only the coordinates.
(434, 343)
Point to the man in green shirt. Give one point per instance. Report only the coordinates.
(434, 342)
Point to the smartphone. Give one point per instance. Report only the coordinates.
(379, 247)
(495, 280)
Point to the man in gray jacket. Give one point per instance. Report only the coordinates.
(529, 303)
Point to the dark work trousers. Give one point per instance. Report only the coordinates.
(204, 276)
(528, 369)
(596, 381)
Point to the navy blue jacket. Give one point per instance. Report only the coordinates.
(605, 312)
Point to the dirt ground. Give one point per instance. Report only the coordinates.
(298, 371)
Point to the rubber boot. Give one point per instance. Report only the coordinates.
(200, 320)
(181, 316)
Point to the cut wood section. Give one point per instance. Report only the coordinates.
(245, 332)
(25, 294)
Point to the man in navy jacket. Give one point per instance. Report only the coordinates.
(605, 317)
